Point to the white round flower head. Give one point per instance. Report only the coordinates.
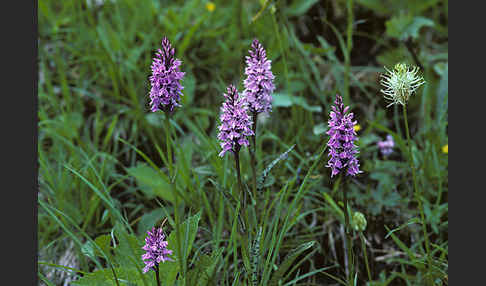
(400, 83)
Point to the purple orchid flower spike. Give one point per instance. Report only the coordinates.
(156, 250)
(342, 149)
(166, 88)
(235, 122)
(259, 81)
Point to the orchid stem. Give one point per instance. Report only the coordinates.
(157, 275)
(238, 174)
(253, 156)
(348, 234)
(174, 193)
(417, 191)
(363, 248)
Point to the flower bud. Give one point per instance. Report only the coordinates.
(359, 221)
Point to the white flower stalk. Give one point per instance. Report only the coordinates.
(400, 83)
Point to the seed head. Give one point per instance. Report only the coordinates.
(400, 83)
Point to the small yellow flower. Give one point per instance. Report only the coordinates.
(445, 149)
(357, 127)
(210, 6)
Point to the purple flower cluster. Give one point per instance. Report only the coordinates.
(235, 122)
(156, 248)
(259, 81)
(165, 79)
(386, 147)
(342, 149)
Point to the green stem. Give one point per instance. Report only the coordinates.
(253, 156)
(363, 249)
(348, 235)
(240, 188)
(168, 141)
(157, 275)
(417, 191)
(114, 275)
(238, 175)
(181, 258)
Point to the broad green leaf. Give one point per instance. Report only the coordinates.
(320, 128)
(168, 272)
(287, 100)
(406, 26)
(151, 182)
(88, 249)
(150, 219)
(103, 242)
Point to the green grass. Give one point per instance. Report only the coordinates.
(104, 172)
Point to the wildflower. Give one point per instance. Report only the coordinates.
(235, 122)
(166, 88)
(400, 83)
(342, 149)
(445, 149)
(259, 81)
(210, 6)
(156, 248)
(359, 221)
(357, 127)
(386, 147)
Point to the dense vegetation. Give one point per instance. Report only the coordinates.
(104, 176)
